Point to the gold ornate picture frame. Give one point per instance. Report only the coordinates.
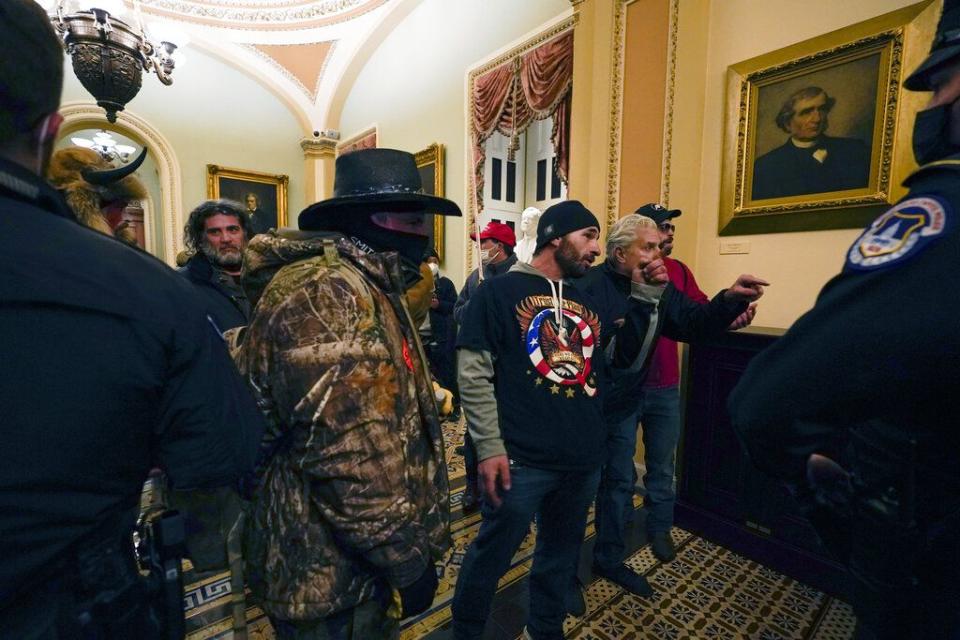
(430, 164)
(264, 195)
(818, 133)
(366, 139)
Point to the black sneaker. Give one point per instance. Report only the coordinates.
(573, 599)
(662, 545)
(627, 578)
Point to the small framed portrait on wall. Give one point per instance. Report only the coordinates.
(430, 165)
(263, 195)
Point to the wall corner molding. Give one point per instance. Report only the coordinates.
(668, 106)
(321, 147)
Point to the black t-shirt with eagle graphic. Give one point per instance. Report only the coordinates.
(547, 374)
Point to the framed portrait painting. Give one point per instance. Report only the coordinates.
(263, 195)
(816, 137)
(430, 165)
(366, 139)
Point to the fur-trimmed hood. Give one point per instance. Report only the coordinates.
(66, 173)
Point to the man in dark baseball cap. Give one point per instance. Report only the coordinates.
(658, 213)
(662, 216)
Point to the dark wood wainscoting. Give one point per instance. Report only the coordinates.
(720, 494)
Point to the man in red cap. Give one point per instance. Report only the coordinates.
(497, 242)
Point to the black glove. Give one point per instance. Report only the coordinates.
(417, 597)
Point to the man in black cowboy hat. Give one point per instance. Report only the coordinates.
(870, 376)
(109, 367)
(352, 505)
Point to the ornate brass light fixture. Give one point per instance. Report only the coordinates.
(103, 143)
(108, 54)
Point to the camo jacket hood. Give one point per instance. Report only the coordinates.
(353, 493)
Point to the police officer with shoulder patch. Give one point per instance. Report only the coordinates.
(108, 367)
(857, 405)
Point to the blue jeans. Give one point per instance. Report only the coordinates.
(560, 500)
(659, 412)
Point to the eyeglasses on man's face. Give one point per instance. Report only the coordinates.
(666, 226)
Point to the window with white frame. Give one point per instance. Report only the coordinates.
(529, 180)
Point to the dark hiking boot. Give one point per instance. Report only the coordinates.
(662, 545)
(627, 578)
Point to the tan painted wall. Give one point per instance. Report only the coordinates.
(712, 36)
(590, 111)
(413, 85)
(644, 92)
(214, 114)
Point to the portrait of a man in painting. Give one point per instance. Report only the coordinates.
(259, 200)
(261, 220)
(818, 153)
(810, 161)
(262, 195)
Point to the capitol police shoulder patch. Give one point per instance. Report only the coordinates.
(903, 231)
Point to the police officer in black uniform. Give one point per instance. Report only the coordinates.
(108, 367)
(857, 405)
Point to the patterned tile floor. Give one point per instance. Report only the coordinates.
(710, 592)
(706, 592)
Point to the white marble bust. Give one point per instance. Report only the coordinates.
(527, 240)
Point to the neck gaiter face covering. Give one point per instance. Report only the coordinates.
(370, 237)
(931, 135)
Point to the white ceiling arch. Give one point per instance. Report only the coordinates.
(304, 51)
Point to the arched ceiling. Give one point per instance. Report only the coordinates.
(262, 15)
(300, 49)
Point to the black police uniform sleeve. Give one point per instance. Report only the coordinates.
(878, 344)
(209, 427)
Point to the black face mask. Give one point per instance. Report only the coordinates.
(931, 135)
(367, 235)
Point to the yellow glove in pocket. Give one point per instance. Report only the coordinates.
(444, 399)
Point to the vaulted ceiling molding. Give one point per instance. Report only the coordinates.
(302, 64)
(261, 15)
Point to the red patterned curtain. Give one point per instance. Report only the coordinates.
(534, 86)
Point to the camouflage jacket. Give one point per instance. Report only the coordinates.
(353, 491)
